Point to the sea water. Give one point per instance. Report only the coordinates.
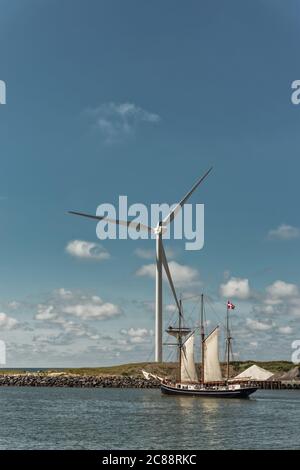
(68, 418)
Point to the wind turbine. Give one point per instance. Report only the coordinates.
(161, 259)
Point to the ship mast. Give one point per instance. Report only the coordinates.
(202, 337)
(228, 341)
(180, 338)
(179, 332)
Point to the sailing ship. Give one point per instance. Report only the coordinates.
(210, 382)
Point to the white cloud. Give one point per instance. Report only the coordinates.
(87, 250)
(45, 312)
(118, 120)
(295, 306)
(70, 330)
(280, 298)
(281, 290)
(63, 293)
(148, 270)
(6, 322)
(181, 274)
(236, 288)
(257, 325)
(284, 232)
(93, 310)
(285, 330)
(264, 309)
(137, 335)
(74, 303)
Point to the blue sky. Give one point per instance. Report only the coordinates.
(218, 77)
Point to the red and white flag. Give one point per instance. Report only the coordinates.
(230, 305)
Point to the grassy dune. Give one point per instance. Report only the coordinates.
(169, 369)
(163, 369)
(133, 369)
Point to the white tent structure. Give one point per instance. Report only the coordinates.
(254, 373)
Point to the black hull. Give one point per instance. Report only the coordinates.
(240, 393)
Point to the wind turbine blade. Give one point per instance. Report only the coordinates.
(83, 214)
(172, 215)
(126, 223)
(167, 270)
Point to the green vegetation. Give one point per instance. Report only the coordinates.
(162, 369)
(169, 368)
(124, 370)
(12, 371)
(272, 366)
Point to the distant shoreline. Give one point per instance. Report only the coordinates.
(128, 375)
(135, 369)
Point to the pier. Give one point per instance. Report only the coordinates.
(277, 384)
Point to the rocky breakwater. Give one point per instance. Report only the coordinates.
(84, 381)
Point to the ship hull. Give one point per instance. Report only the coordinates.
(238, 393)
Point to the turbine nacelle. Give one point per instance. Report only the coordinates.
(160, 229)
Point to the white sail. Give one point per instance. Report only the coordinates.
(188, 369)
(212, 369)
